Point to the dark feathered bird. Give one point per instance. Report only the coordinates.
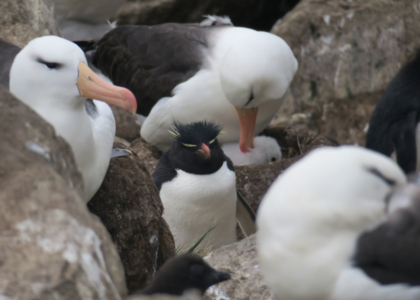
(197, 185)
(390, 253)
(394, 123)
(183, 273)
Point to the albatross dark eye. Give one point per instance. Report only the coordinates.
(50, 65)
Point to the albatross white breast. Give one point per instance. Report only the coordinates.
(191, 72)
(51, 76)
(311, 218)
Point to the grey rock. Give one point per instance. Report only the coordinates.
(148, 153)
(127, 128)
(51, 246)
(240, 261)
(347, 48)
(158, 297)
(129, 205)
(24, 20)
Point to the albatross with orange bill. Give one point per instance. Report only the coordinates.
(211, 71)
(52, 77)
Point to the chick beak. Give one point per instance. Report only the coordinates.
(247, 120)
(91, 86)
(204, 152)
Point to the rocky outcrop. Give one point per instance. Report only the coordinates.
(156, 297)
(52, 247)
(258, 14)
(348, 52)
(24, 20)
(128, 204)
(127, 128)
(348, 48)
(147, 153)
(240, 261)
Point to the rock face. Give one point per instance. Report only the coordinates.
(346, 50)
(240, 261)
(127, 128)
(51, 246)
(128, 204)
(156, 297)
(258, 14)
(24, 20)
(147, 153)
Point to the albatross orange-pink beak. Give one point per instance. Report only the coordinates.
(247, 120)
(93, 87)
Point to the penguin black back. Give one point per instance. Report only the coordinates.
(182, 273)
(394, 121)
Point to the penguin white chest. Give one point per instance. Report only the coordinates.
(194, 203)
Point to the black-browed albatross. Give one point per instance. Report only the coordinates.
(51, 76)
(324, 223)
(191, 72)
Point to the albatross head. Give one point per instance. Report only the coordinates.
(310, 218)
(53, 71)
(256, 70)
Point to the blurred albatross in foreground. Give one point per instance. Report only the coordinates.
(318, 234)
(51, 76)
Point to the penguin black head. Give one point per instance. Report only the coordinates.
(195, 148)
(183, 273)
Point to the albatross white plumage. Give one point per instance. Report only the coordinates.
(310, 220)
(191, 72)
(51, 76)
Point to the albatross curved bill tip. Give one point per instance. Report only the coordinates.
(92, 86)
(247, 120)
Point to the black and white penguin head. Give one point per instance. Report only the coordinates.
(195, 148)
(183, 273)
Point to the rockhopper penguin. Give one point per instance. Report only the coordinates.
(183, 274)
(197, 185)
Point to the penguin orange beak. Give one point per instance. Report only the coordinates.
(204, 152)
(247, 120)
(91, 86)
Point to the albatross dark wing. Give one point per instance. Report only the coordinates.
(8, 52)
(390, 253)
(151, 60)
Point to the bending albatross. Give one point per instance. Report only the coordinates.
(337, 225)
(51, 76)
(195, 72)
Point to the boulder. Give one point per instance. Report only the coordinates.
(24, 20)
(148, 153)
(127, 128)
(258, 14)
(240, 261)
(128, 204)
(156, 297)
(347, 51)
(52, 247)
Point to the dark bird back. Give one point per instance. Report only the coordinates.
(394, 121)
(182, 273)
